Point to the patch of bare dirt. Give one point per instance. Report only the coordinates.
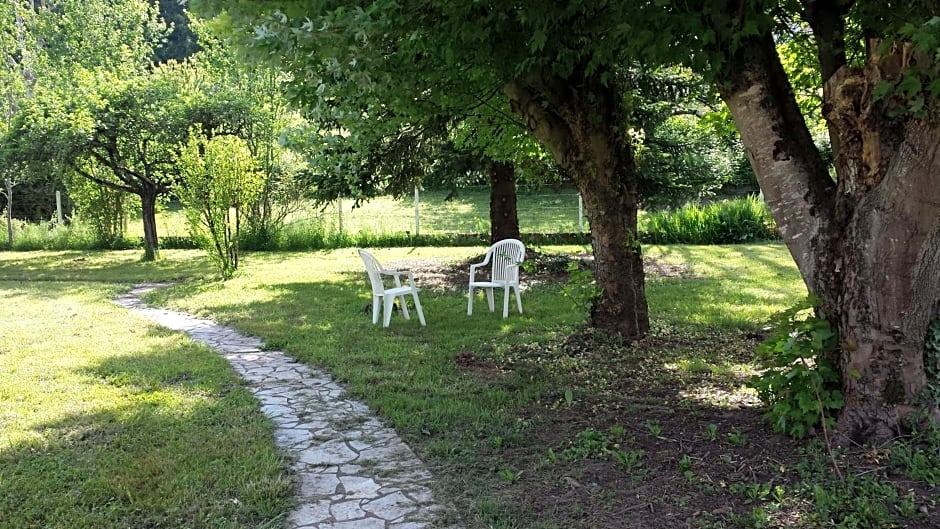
(445, 275)
(626, 441)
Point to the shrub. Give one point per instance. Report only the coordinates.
(219, 179)
(799, 384)
(102, 208)
(49, 236)
(725, 222)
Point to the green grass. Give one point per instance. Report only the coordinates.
(733, 286)
(491, 403)
(724, 222)
(112, 267)
(48, 236)
(311, 305)
(107, 420)
(540, 211)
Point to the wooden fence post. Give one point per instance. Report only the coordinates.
(417, 213)
(580, 214)
(58, 208)
(9, 193)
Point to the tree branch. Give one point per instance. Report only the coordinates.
(111, 185)
(546, 126)
(827, 19)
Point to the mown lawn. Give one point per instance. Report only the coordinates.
(107, 420)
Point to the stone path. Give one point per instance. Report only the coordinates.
(354, 472)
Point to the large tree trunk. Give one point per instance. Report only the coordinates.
(504, 218)
(148, 201)
(867, 245)
(582, 121)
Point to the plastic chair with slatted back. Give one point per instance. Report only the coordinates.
(504, 258)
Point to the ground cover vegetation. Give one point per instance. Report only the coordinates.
(534, 421)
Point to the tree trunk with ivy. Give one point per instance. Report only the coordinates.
(867, 243)
(504, 217)
(581, 120)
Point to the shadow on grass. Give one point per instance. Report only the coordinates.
(406, 372)
(103, 266)
(184, 445)
(625, 438)
(490, 423)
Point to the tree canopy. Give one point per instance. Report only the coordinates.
(564, 69)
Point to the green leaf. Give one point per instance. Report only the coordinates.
(538, 40)
(910, 85)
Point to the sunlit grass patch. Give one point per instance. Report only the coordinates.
(695, 365)
(721, 397)
(123, 266)
(109, 421)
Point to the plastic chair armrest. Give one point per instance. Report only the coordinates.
(399, 274)
(473, 270)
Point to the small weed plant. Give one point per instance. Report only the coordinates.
(919, 456)
(581, 288)
(711, 432)
(594, 444)
(737, 438)
(858, 502)
(799, 384)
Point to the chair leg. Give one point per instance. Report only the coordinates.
(389, 306)
(518, 299)
(418, 308)
(404, 307)
(470, 303)
(489, 299)
(375, 309)
(506, 301)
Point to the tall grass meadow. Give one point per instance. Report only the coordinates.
(725, 222)
(53, 236)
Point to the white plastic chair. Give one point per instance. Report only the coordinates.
(504, 256)
(388, 295)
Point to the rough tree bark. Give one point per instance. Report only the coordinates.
(866, 244)
(148, 202)
(504, 218)
(146, 188)
(582, 121)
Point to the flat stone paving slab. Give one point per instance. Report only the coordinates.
(353, 471)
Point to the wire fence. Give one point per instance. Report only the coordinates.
(467, 211)
(434, 212)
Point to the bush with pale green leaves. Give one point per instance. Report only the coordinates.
(219, 180)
